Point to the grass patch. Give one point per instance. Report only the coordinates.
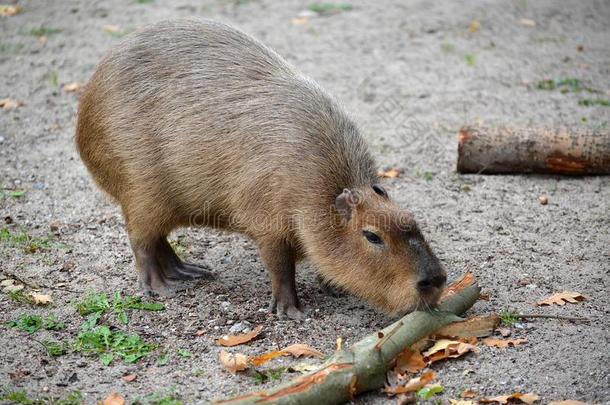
(24, 241)
(33, 323)
(95, 305)
(470, 59)
(447, 47)
(5, 193)
(43, 31)
(109, 345)
(509, 318)
(159, 399)
(22, 398)
(56, 349)
(589, 102)
(329, 8)
(565, 85)
(273, 374)
(184, 353)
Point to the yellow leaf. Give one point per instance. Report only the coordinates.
(114, 399)
(390, 174)
(234, 340)
(561, 298)
(112, 28)
(475, 26)
(72, 87)
(41, 299)
(529, 399)
(493, 342)
(233, 363)
(8, 11)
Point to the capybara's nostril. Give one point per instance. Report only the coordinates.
(430, 283)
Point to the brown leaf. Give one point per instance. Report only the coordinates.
(234, 340)
(414, 384)
(561, 298)
(461, 402)
(493, 342)
(200, 332)
(233, 363)
(114, 399)
(9, 11)
(390, 173)
(459, 285)
(479, 326)
(10, 104)
(411, 361)
(446, 348)
(517, 397)
(72, 87)
(505, 332)
(130, 377)
(296, 350)
(474, 26)
(301, 350)
(41, 299)
(468, 394)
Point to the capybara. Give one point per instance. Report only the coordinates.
(195, 123)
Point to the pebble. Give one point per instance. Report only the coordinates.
(225, 304)
(1, 139)
(242, 326)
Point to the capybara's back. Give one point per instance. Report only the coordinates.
(195, 123)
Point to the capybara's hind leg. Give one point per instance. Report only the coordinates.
(175, 268)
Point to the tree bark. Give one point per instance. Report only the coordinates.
(533, 150)
(364, 365)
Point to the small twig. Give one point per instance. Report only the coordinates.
(563, 318)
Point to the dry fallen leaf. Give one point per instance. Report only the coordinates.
(112, 28)
(234, 340)
(568, 402)
(461, 402)
(200, 332)
(41, 299)
(9, 11)
(296, 350)
(474, 26)
(72, 87)
(130, 377)
(493, 342)
(390, 174)
(9, 104)
(114, 399)
(411, 361)
(529, 399)
(445, 348)
(468, 394)
(43, 40)
(479, 326)
(233, 363)
(413, 385)
(561, 298)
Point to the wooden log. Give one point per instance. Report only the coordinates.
(533, 150)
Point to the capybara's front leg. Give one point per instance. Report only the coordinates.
(279, 257)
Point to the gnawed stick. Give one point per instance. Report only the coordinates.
(364, 365)
(533, 150)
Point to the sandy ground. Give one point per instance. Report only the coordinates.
(411, 73)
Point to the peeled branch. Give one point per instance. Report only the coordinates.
(363, 366)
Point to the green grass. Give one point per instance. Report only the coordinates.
(428, 392)
(56, 349)
(509, 318)
(327, 8)
(22, 398)
(21, 297)
(565, 85)
(33, 323)
(273, 374)
(44, 31)
(110, 345)
(184, 353)
(163, 359)
(447, 47)
(470, 59)
(159, 399)
(4, 193)
(588, 102)
(24, 241)
(144, 1)
(95, 305)
(54, 78)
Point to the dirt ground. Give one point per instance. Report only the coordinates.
(411, 73)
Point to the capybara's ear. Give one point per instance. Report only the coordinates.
(345, 203)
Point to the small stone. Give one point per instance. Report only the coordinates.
(225, 304)
(240, 327)
(543, 199)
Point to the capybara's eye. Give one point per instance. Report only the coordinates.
(373, 237)
(379, 190)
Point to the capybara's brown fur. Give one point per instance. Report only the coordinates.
(195, 123)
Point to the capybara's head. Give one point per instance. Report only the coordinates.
(379, 253)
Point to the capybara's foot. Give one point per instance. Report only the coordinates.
(284, 309)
